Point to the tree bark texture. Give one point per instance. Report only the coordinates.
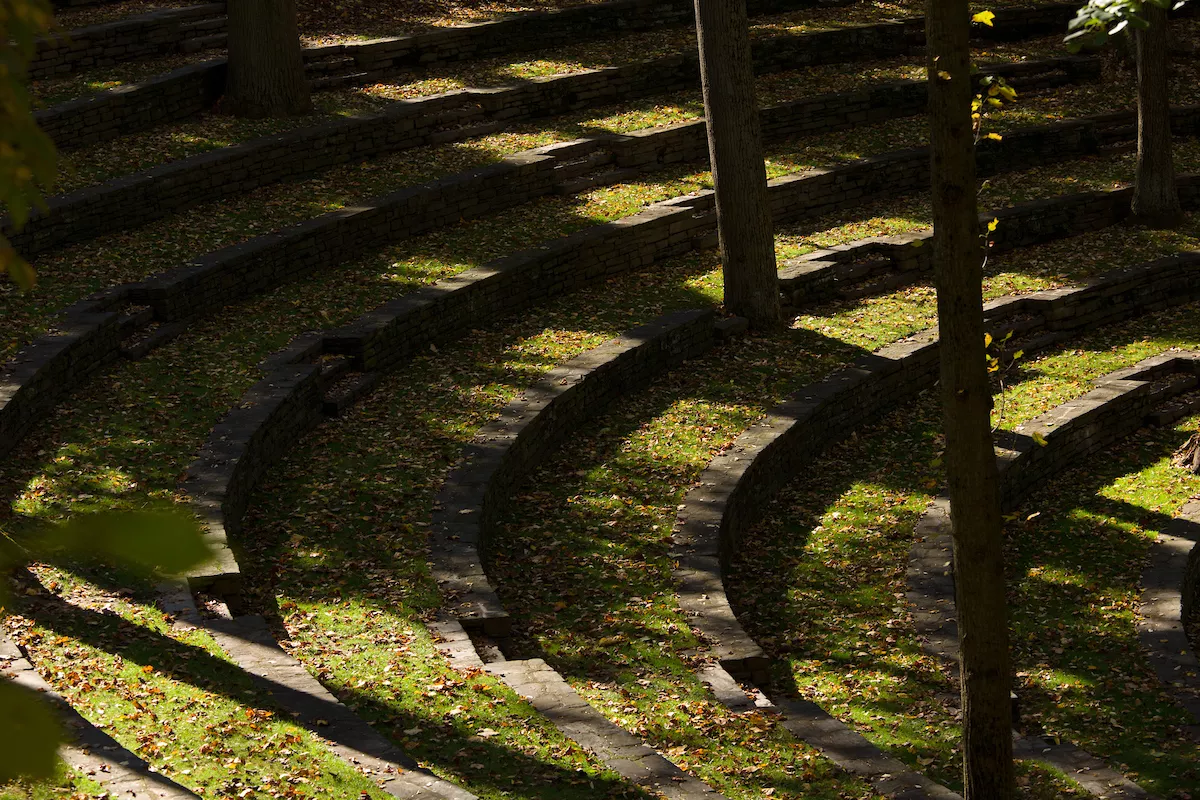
(739, 174)
(972, 477)
(1155, 197)
(266, 65)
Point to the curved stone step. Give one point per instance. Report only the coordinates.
(498, 460)
(1165, 582)
(138, 198)
(622, 752)
(739, 483)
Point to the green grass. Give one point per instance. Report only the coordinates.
(172, 697)
(336, 542)
(828, 576)
(66, 784)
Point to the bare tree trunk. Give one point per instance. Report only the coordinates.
(739, 175)
(266, 65)
(967, 400)
(1155, 197)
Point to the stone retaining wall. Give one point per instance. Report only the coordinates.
(509, 284)
(538, 421)
(901, 259)
(156, 33)
(86, 338)
(160, 191)
(266, 422)
(170, 97)
(771, 54)
(739, 484)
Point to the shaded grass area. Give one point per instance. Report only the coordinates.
(127, 442)
(600, 604)
(70, 18)
(1075, 555)
(346, 516)
(828, 576)
(47, 92)
(212, 130)
(171, 697)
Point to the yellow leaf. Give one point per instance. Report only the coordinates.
(943, 74)
(987, 340)
(995, 223)
(995, 136)
(1039, 440)
(984, 18)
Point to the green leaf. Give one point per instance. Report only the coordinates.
(29, 737)
(1039, 440)
(1017, 354)
(161, 541)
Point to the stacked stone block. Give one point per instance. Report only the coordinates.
(508, 449)
(170, 97)
(829, 273)
(267, 421)
(156, 33)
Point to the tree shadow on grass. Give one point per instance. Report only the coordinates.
(194, 666)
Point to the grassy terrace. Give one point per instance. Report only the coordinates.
(828, 578)
(602, 52)
(125, 442)
(213, 130)
(335, 545)
(74, 272)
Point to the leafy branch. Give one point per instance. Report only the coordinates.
(1099, 19)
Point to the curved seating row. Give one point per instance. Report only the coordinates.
(109, 114)
(135, 199)
(268, 421)
(736, 487)
(90, 334)
(1120, 404)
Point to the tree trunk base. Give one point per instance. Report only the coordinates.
(1188, 456)
(1158, 222)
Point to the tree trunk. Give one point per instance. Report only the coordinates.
(1188, 456)
(739, 175)
(967, 400)
(266, 65)
(1155, 197)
